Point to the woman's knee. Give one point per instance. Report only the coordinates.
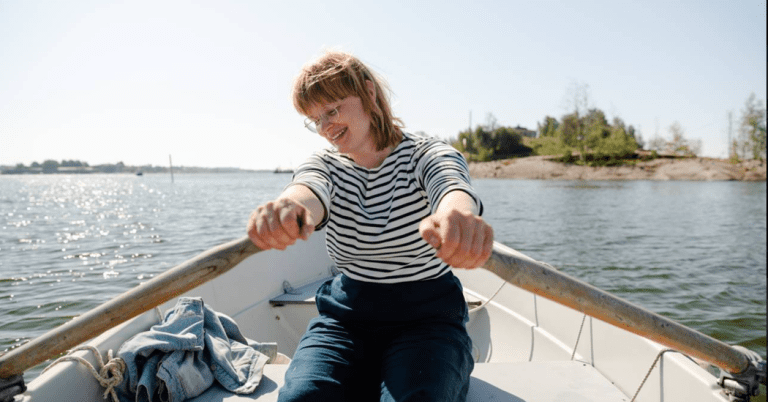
(297, 390)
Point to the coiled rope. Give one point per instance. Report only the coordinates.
(110, 373)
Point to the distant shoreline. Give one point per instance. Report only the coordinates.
(8, 170)
(688, 169)
(531, 167)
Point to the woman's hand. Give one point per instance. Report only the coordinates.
(461, 238)
(279, 223)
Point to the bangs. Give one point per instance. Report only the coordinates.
(325, 82)
(320, 91)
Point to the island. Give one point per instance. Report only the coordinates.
(692, 168)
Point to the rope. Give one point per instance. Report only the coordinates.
(110, 373)
(650, 370)
(482, 305)
(578, 337)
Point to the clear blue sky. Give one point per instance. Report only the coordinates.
(209, 82)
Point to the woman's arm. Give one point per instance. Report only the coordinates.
(279, 223)
(462, 239)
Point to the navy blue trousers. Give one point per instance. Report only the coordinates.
(387, 342)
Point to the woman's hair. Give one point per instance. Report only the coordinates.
(336, 75)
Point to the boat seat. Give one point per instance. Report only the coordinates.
(302, 295)
(514, 382)
(306, 295)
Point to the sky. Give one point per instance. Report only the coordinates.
(209, 82)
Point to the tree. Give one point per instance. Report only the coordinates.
(657, 144)
(616, 146)
(490, 122)
(484, 145)
(509, 143)
(678, 145)
(577, 98)
(50, 166)
(596, 129)
(681, 145)
(569, 130)
(752, 128)
(549, 127)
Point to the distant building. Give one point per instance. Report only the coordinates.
(525, 132)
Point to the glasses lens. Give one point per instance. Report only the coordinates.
(310, 125)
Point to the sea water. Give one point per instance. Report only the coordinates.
(692, 251)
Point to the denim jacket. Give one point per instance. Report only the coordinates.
(181, 357)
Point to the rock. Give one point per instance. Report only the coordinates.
(544, 168)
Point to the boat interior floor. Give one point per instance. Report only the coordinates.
(514, 382)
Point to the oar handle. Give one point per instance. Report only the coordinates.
(552, 284)
(158, 290)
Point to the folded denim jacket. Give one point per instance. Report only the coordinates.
(181, 357)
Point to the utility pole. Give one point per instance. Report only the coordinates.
(730, 134)
(170, 162)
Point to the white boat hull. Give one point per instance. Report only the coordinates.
(524, 344)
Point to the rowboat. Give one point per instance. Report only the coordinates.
(538, 334)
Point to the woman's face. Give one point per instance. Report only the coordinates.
(346, 125)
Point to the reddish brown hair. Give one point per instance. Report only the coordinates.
(336, 75)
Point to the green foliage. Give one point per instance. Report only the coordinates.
(73, 163)
(590, 135)
(616, 145)
(549, 146)
(549, 127)
(584, 136)
(50, 166)
(570, 130)
(753, 128)
(483, 144)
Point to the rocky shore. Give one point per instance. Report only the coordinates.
(693, 169)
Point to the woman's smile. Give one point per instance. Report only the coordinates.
(337, 135)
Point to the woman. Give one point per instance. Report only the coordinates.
(399, 211)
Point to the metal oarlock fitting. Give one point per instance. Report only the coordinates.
(743, 386)
(10, 387)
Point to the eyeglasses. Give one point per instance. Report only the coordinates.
(314, 125)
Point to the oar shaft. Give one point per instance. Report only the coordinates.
(146, 296)
(552, 284)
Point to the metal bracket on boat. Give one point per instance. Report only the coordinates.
(741, 387)
(10, 387)
(288, 289)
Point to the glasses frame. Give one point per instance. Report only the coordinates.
(313, 125)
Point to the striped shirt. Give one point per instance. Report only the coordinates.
(373, 215)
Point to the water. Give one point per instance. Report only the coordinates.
(693, 251)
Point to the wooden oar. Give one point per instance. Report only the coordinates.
(146, 296)
(514, 268)
(552, 284)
